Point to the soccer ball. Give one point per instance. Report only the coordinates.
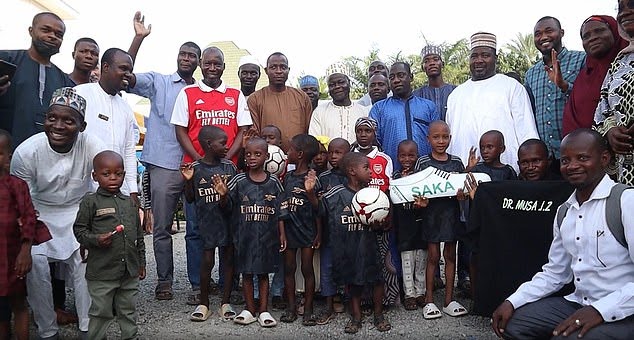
(276, 163)
(370, 205)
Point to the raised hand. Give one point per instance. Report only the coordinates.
(473, 159)
(310, 180)
(554, 72)
(250, 133)
(139, 25)
(220, 185)
(187, 170)
(470, 185)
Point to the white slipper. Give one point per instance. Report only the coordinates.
(266, 320)
(454, 309)
(227, 309)
(245, 318)
(201, 313)
(430, 311)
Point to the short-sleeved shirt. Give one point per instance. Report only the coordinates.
(381, 168)
(199, 105)
(289, 110)
(393, 126)
(407, 221)
(331, 178)
(160, 146)
(213, 222)
(24, 105)
(355, 251)
(297, 212)
(497, 174)
(255, 210)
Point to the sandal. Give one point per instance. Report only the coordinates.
(366, 309)
(288, 316)
(163, 292)
(226, 312)
(454, 309)
(430, 311)
(266, 320)
(410, 304)
(353, 326)
(245, 318)
(194, 298)
(381, 323)
(309, 320)
(325, 317)
(201, 313)
(420, 301)
(300, 306)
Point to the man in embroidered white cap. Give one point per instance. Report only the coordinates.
(488, 101)
(249, 74)
(57, 166)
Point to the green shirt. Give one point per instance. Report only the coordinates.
(100, 213)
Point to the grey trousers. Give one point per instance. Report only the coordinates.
(166, 187)
(537, 320)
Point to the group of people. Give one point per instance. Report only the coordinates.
(72, 168)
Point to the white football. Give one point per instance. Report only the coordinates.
(370, 205)
(276, 163)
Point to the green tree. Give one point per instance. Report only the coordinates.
(518, 55)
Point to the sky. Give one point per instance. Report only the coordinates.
(313, 35)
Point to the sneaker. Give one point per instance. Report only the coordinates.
(431, 183)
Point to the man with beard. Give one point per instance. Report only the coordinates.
(436, 89)
(109, 117)
(24, 98)
(376, 67)
(488, 101)
(56, 164)
(336, 119)
(86, 56)
(286, 107)
(162, 154)
(378, 87)
(403, 116)
(310, 86)
(249, 74)
(551, 80)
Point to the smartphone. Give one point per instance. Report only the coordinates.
(7, 68)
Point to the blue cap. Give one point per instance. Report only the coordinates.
(308, 81)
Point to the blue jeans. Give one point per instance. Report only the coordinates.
(277, 287)
(327, 286)
(193, 246)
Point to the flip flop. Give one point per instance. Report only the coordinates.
(430, 311)
(266, 320)
(454, 309)
(245, 318)
(227, 309)
(201, 313)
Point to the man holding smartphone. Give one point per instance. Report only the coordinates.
(24, 96)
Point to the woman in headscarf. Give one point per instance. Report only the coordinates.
(614, 117)
(602, 42)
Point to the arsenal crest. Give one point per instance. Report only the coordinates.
(378, 168)
(230, 101)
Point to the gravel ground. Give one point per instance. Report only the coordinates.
(170, 319)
